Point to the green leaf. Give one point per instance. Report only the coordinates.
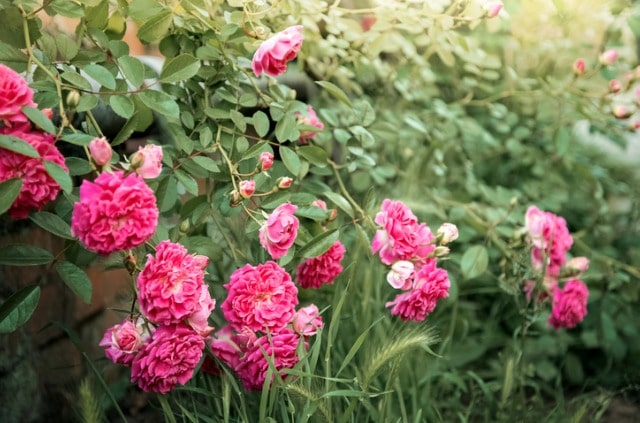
(261, 123)
(18, 308)
(126, 130)
(24, 255)
(206, 163)
(77, 166)
(290, 160)
(87, 102)
(167, 193)
(59, 175)
(76, 80)
(18, 145)
(39, 119)
(179, 68)
(156, 27)
(314, 155)
(122, 105)
(185, 179)
(101, 75)
(52, 223)
(76, 279)
(319, 244)
(9, 191)
(287, 129)
(335, 91)
(77, 138)
(238, 120)
(67, 47)
(474, 261)
(13, 57)
(132, 69)
(161, 102)
(340, 201)
(67, 8)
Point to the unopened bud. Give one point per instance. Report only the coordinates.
(446, 233)
(579, 66)
(320, 204)
(441, 251)
(184, 226)
(579, 264)
(147, 161)
(247, 188)
(284, 182)
(266, 161)
(333, 214)
(235, 199)
(100, 150)
(615, 86)
(609, 57)
(130, 264)
(493, 8)
(73, 98)
(622, 112)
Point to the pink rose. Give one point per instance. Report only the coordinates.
(401, 275)
(100, 150)
(310, 120)
(569, 305)
(551, 240)
(284, 182)
(168, 360)
(199, 319)
(615, 86)
(225, 349)
(14, 94)
(273, 54)
(279, 232)
(430, 285)
(122, 341)
(401, 236)
(114, 213)
(260, 298)
(579, 66)
(147, 161)
(265, 161)
(307, 320)
(247, 188)
(609, 57)
(280, 347)
(493, 8)
(170, 287)
(38, 188)
(316, 271)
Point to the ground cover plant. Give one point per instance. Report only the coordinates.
(348, 211)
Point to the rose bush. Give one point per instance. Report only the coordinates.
(381, 118)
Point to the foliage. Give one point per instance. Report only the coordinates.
(466, 119)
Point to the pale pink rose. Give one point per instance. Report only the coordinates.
(114, 213)
(266, 161)
(38, 188)
(122, 341)
(622, 112)
(317, 271)
(569, 305)
(14, 94)
(260, 298)
(147, 161)
(170, 284)
(401, 236)
(100, 150)
(247, 188)
(279, 232)
(615, 86)
(284, 182)
(280, 347)
(401, 275)
(446, 233)
(307, 320)
(310, 120)
(579, 66)
(539, 225)
(430, 285)
(273, 54)
(609, 57)
(551, 240)
(168, 359)
(578, 264)
(199, 319)
(493, 8)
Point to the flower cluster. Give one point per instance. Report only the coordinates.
(412, 251)
(166, 343)
(38, 187)
(550, 242)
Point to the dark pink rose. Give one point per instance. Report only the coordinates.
(317, 271)
(569, 304)
(14, 94)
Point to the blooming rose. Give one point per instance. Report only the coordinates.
(223, 347)
(122, 341)
(199, 319)
(100, 150)
(401, 237)
(307, 320)
(279, 347)
(430, 285)
(569, 305)
(311, 120)
(260, 298)
(147, 161)
(551, 240)
(170, 286)
(169, 359)
(279, 232)
(401, 275)
(114, 213)
(266, 161)
(14, 94)
(273, 54)
(38, 187)
(316, 271)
